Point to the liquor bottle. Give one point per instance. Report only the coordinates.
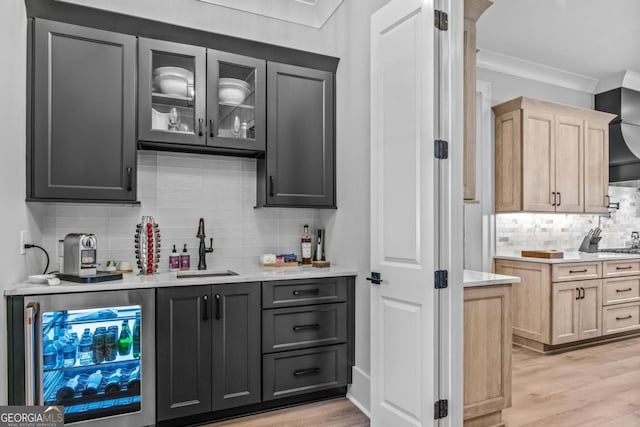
(113, 383)
(124, 342)
(136, 337)
(85, 354)
(93, 383)
(49, 354)
(68, 390)
(98, 345)
(305, 242)
(133, 382)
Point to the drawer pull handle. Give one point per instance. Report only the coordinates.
(578, 271)
(624, 290)
(304, 327)
(624, 318)
(628, 267)
(315, 291)
(311, 371)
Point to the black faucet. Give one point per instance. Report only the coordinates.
(203, 250)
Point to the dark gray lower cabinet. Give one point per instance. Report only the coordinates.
(82, 109)
(299, 167)
(208, 348)
(184, 337)
(236, 345)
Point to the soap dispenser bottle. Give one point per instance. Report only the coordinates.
(185, 259)
(174, 260)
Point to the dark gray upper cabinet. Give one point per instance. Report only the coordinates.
(201, 99)
(184, 328)
(172, 92)
(299, 167)
(82, 111)
(236, 345)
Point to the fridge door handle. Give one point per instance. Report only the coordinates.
(30, 316)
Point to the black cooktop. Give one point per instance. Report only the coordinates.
(622, 250)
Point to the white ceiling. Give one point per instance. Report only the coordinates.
(591, 38)
(312, 13)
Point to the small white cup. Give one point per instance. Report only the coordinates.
(124, 266)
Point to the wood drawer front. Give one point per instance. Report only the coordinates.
(623, 290)
(292, 293)
(303, 371)
(629, 267)
(303, 327)
(621, 318)
(577, 271)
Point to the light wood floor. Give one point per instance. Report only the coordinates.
(596, 386)
(329, 413)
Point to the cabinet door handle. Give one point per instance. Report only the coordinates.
(578, 293)
(559, 198)
(625, 317)
(607, 202)
(217, 306)
(583, 292)
(624, 290)
(554, 198)
(310, 371)
(629, 267)
(577, 271)
(205, 310)
(129, 178)
(200, 127)
(270, 186)
(315, 291)
(211, 133)
(305, 327)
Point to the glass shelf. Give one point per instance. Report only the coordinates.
(172, 100)
(119, 360)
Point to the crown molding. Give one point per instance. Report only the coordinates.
(311, 13)
(494, 61)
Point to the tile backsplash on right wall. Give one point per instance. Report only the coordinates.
(518, 231)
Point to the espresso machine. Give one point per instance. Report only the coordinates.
(80, 260)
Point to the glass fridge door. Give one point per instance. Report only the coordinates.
(91, 361)
(94, 355)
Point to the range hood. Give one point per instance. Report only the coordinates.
(624, 134)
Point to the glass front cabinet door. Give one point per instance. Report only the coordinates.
(172, 92)
(236, 100)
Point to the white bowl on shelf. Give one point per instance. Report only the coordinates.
(232, 91)
(170, 84)
(174, 71)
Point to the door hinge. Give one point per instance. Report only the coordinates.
(441, 20)
(441, 279)
(440, 409)
(441, 149)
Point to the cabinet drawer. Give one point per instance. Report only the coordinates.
(629, 267)
(617, 291)
(304, 292)
(621, 318)
(302, 327)
(577, 271)
(303, 371)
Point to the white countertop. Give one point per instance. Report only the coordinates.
(571, 257)
(480, 278)
(133, 281)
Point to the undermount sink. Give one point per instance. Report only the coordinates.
(205, 273)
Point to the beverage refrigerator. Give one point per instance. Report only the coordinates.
(92, 353)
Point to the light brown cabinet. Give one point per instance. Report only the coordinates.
(557, 305)
(550, 157)
(487, 354)
(472, 11)
(576, 311)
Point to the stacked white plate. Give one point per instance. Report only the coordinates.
(173, 81)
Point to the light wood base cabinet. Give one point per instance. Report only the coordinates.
(487, 354)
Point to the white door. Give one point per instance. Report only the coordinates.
(403, 170)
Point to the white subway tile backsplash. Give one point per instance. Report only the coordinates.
(178, 190)
(518, 231)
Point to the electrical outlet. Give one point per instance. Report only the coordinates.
(23, 241)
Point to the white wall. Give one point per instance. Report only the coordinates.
(346, 35)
